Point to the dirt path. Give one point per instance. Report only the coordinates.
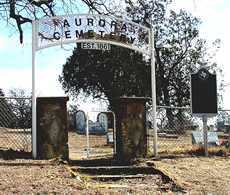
(34, 177)
(196, 175)
(199, 175)
(45, 177)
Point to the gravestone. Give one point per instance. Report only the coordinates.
(52, 132)
(80, 121)
(107, 121)
(96, 128)
(103, 120)
(197, 138)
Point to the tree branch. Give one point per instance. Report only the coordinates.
(18, 18)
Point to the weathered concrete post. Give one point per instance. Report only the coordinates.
(52, 127)
(131, 134)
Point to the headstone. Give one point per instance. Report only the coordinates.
(103, 120)
(96, 128)
(197, 138)
(80, 121)
(110, 139)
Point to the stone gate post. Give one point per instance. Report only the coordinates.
(131, 133)
(52, 127)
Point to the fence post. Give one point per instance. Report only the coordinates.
(34, 122)
(205, 134)
(87, 134)
(153, 84)
(114, 134)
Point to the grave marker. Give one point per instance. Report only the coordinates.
(197, 138)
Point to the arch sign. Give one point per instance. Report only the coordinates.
(91, 30)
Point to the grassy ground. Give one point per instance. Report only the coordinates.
(191, 175)
(50, 177)
(98, 146)
(179, 160)
(199, 175)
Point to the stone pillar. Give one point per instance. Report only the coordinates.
(131, 133)
(52, 127)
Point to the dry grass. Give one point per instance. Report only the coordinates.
(182, 144)
(98, 146)
(15, 139)
(199, 175)
(212, 150)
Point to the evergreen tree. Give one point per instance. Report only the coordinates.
(178, 50)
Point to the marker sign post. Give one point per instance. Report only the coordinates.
(93, 32)
(204, 98)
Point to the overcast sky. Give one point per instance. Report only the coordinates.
(15, 66)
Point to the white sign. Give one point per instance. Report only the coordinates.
(95, 46)
(96, 28)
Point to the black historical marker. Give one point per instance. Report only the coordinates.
(204, 92)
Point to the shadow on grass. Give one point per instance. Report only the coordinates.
(14, 154)
(196, 151)
(105, 161)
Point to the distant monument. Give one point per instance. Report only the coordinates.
(80, 121)
(98, 127)
(103, 120)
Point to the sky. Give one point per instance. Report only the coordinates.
(15, 64)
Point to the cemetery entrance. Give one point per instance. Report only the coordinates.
(92, 135)
(96, 31)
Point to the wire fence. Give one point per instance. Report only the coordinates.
(175, 132)
(176, 127)
(15, 123)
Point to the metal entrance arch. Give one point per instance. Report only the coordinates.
(59, 30)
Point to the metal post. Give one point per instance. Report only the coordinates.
(114, 134)
(153, 84)
(205, 134)
(34, 128)
(87, 134)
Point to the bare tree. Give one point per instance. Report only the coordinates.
(21, 107)
(19, 12)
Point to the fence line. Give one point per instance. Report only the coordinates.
(15, 123)
(175, 127)
(15, 98)
(173, 107)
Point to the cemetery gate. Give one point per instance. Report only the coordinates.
(96, 29)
